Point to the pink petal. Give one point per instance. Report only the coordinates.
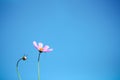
(40, 45)
(48, 50)
(35, 44)
(45, 47)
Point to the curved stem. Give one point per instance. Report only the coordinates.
(39, 66)
(19, 77)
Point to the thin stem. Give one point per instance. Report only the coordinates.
(19, 77)
(39, 66)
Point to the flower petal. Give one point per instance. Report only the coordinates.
(45, 47)
(48, 50)
(40, 45)
(35, 44)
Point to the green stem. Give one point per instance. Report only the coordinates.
(19, 77)
(39, 66)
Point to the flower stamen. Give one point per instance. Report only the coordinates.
(41, 50)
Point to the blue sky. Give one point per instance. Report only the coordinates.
(85, 36)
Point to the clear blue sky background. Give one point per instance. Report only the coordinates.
(85, 35)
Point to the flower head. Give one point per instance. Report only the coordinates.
(40, 47)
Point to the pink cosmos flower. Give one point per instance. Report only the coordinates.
(40, 47)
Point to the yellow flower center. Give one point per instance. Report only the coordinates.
(41, 49)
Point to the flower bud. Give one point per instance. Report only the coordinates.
(24, 58)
